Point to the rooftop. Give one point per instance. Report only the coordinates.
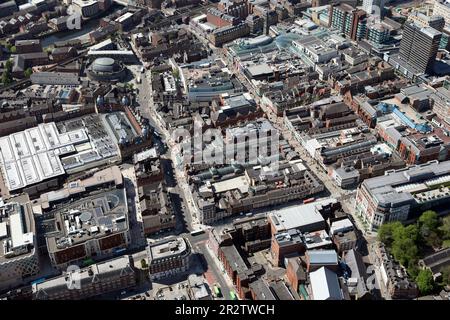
(322, 257)
(234, 258)
(50, 150)
(325, 285)
(91, 217)
(409, 184)
(168, 248)
(77, 188)
(99, 272)
(17, 230)
(297, 216)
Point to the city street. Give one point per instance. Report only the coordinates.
(147, 110)
(181, 195)
(136, 225)
(203, 262)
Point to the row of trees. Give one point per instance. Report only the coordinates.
(11, 48)
(7, 78)
(406, 243)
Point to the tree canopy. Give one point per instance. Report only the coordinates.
(446, 275)
(425, 281)
(28, 72)
(9, 65)
(6, 77)
(445, 231)
(429, 228)
(386, 232)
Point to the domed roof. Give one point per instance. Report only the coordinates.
(105, 65)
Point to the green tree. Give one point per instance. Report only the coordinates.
(446, 244)
(9, 65)
(404, 245)
(28, 72)
(386, 232)
(6, 77)
(144, 264)
(413, 269)
(429, 228)
(13, 49)
(405, 251)
(425, 281)
(445, 228)
(429, 219)
(411, 232)
(445, 275)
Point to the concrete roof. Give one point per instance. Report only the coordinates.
(259, 69)
(341, 225)
(296, 216)
(322, 257)
(168, 248)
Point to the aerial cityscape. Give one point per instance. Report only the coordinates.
(224, 150)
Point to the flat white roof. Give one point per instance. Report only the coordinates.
(31, 156)
(18, 237)
(200, 17)
(101, 45)
(124, 17)
(240, 183)
(150, 153)
(298, 215)
(325, 285)
(84, 3)
(341, 225)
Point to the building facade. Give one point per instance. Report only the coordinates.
(419, 47)
(101, 278)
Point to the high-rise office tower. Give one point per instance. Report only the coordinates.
(419, 46)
